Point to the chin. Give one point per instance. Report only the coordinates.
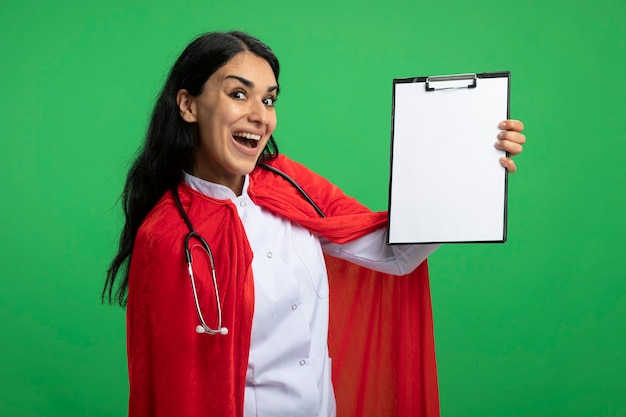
(245, 167)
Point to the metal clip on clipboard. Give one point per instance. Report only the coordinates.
(450, 82)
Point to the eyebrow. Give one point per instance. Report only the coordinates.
(250, 84)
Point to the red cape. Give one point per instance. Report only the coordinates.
(381, 333)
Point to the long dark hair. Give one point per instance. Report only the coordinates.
(171, 143)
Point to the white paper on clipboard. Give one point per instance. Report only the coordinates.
(446, 183)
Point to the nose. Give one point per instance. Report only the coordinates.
(257, 113)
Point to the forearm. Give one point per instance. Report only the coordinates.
(373, 252)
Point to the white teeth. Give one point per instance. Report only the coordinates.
(247, 135)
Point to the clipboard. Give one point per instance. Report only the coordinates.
(446, 182)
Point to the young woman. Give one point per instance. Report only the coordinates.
(226, 255)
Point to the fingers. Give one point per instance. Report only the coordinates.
(510, 139)
(514, 125)
(509, 164)
(511, 142)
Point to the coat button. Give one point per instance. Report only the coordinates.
(302, 362)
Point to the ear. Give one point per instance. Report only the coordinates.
(186, 106)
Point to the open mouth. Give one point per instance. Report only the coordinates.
(249, 140)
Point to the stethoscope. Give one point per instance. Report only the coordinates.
(203, 327)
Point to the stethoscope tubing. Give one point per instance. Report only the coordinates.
(203, 327)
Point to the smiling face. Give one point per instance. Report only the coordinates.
(235, 116)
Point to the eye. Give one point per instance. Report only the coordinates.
(238, 95)
(270, 101)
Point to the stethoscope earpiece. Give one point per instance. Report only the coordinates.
(222, 330)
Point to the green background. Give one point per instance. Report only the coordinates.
(533, 327)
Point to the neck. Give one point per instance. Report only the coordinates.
(234, 182)
(236, 186)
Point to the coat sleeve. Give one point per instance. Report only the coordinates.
(174, 371)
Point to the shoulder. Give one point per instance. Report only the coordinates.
(163, 224)
(297, 171)
(271, 189)
(289, 165)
